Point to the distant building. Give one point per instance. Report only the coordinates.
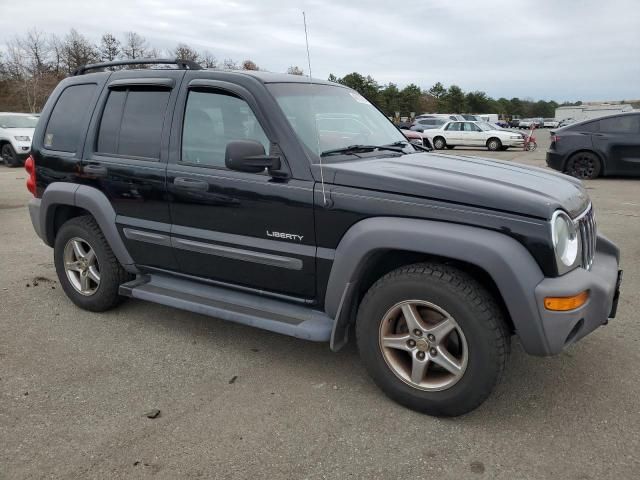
(590, 110)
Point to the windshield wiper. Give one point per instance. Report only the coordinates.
(362, 148)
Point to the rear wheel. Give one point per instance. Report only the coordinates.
(584, 165)
(432, 338)
(87, 268)
(494, 144)
(9, 155)
(439, 143)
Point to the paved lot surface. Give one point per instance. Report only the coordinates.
(74, 387)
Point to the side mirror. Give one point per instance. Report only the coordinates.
(249, 156)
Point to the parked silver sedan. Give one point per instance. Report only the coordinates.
(473, 134)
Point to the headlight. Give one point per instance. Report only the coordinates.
(22, 139)
(565, 238)
(516, 137)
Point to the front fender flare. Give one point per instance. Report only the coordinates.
(509, 264)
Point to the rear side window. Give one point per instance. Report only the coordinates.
(68, 117)
(622, 124)
(131, 124)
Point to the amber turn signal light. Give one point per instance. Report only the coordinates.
(563, 304)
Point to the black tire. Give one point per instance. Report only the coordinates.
(439, 143)
(450, 147)
(112, 275)
(477, 315)
(494, 144)
(9, 155)
(584, 165)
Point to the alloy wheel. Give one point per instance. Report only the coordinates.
(423, 345)
(81, 266)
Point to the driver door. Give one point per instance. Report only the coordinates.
(238, 228)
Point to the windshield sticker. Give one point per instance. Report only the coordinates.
(48, 139)
(359, 98)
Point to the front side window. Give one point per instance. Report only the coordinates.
(327, 117)
(131, 124)
(211, 121)
(68, 117)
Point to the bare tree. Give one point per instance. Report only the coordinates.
(27, 68)
(295, 70)
(78, 51)
(208, 60)
(134, 46)
(229, 64)
(110, 48)
(249, 65)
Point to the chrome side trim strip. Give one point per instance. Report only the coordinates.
(237, 253)
(148, 237)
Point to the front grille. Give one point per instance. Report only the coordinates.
(586, 224)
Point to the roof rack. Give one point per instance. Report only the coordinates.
(182, 64)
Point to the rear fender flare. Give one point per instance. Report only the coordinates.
(92, 200)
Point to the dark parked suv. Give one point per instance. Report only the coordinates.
(295, 206)
(606, 146)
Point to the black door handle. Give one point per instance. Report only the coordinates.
(191, 184)
(95, 170)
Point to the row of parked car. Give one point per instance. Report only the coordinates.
(448, 131)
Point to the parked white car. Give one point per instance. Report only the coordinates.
(473, 134)
(16, 132)
(550, 123)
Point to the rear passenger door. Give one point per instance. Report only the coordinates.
(619, 139)
(453, 135)
(126, 155)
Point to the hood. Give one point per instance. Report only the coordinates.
(19, 132)
(466, 180)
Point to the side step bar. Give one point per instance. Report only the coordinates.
(239, 307)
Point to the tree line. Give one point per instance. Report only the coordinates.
(33, 64)
(440, 99)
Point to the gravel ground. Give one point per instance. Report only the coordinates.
(242, 403)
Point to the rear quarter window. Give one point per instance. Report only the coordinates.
(68, 117)
(629, 124)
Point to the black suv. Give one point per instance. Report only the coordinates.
(606, 146)
(294, 205)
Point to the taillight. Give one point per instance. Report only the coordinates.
(30, 167)
(555, 138)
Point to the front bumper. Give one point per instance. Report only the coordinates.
(514, 142)
(603, 283)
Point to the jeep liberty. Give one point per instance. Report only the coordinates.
(294, 205)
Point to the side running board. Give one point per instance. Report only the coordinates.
(239, 307)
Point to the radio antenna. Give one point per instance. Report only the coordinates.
(306, 38)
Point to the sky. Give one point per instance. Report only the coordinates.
(552, 50)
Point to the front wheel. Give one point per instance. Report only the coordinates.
(9, 155)
(432, 338)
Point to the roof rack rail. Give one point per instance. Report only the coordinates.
(182, 64)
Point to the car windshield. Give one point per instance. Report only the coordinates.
(485, 126)
(329, 118)
(18, 121)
